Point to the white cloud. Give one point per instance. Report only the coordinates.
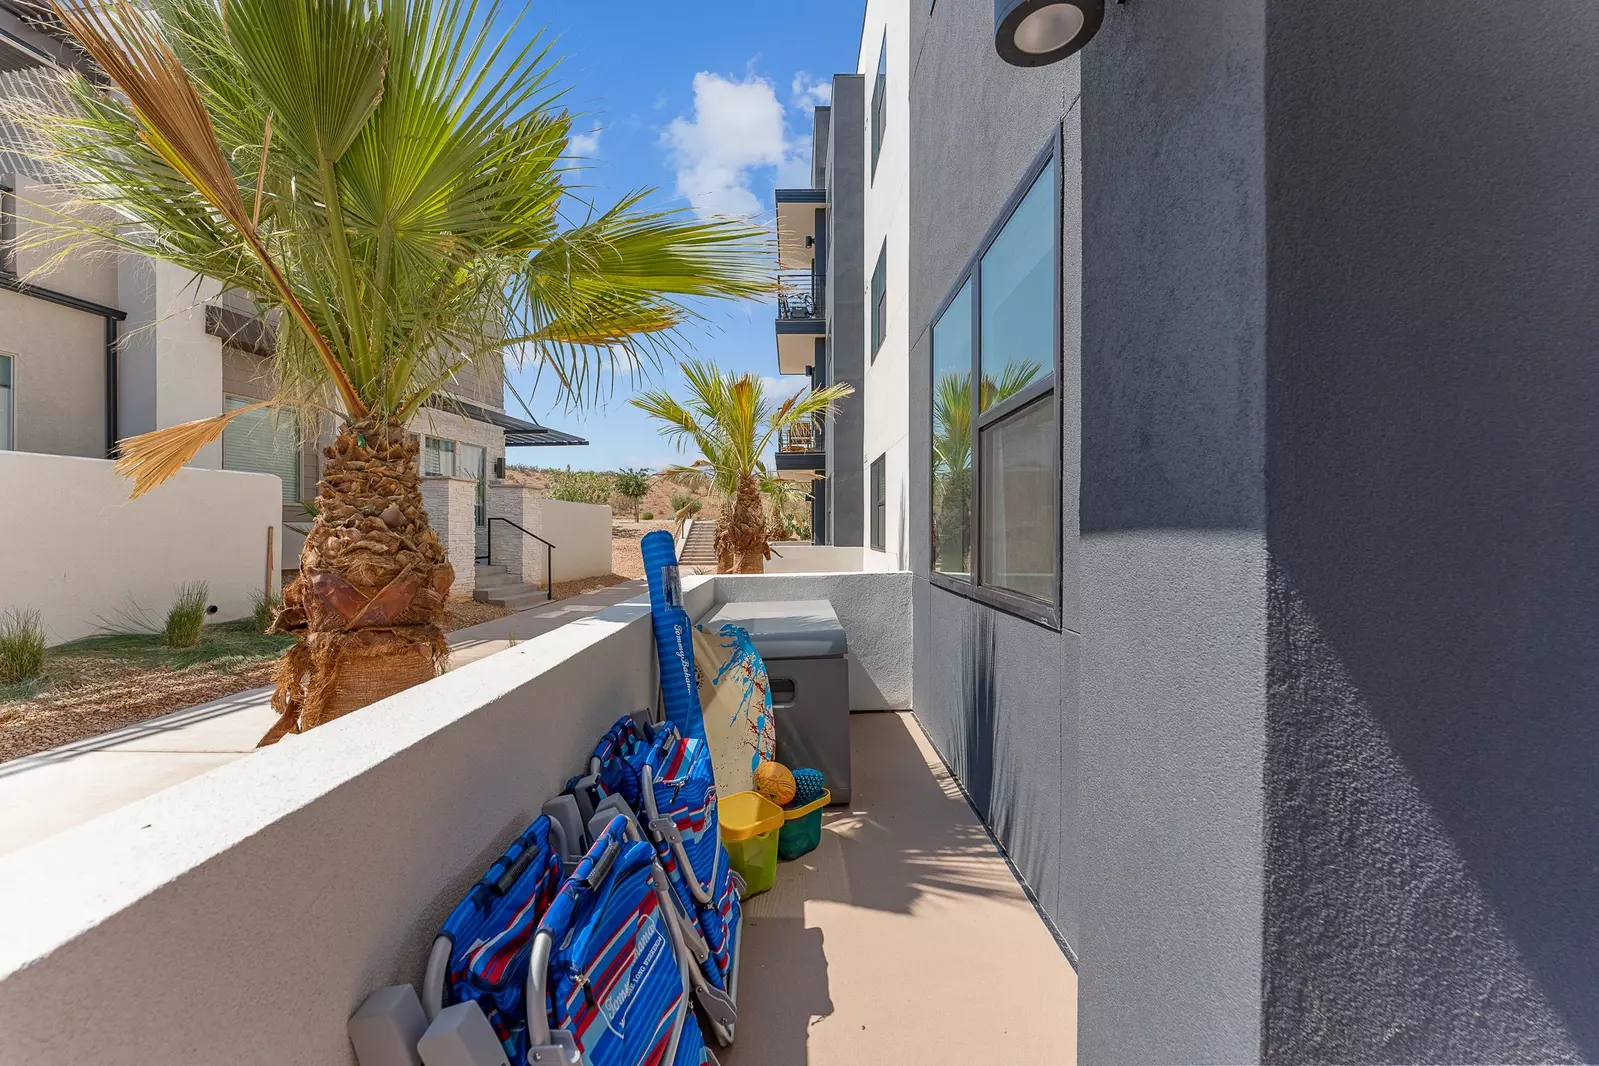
(811, 92)
(778, 389)
(738, 127)
(584, 145)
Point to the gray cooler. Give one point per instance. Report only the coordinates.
(807, 661)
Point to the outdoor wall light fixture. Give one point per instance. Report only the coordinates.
(1035, 33)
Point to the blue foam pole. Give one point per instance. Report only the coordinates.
(674, 635)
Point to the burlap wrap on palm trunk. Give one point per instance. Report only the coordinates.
(374, 582)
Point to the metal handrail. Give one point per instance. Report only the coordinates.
(549, 550)
(801, 295)
(803, 436)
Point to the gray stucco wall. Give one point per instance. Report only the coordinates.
(846, 305)
(1434, 491)
(1119, 760)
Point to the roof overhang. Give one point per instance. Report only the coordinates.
(796, 226)
(519, 433)
(796, 343)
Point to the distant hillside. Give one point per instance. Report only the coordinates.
(658, 501)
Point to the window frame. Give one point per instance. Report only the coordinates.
(879, 489)
(1047, 614)
(9, 443)
(879, 104)
(879, 296)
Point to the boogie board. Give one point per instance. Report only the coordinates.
(737, 699)
(674, 641)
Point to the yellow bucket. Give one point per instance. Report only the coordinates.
(750, 825)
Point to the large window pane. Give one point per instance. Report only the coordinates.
(6, 441)
(1020, 482)
(258, 443)
(1018, 285)
(469, 462)
(952, 437)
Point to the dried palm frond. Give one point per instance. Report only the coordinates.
(151, 458)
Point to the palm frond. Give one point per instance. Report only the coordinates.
(151, 458)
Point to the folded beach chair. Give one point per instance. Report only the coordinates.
(609, 966)
(481, 952)
(668, 783)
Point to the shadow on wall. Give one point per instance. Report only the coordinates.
(1431, 852)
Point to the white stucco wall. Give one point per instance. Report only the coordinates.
(81, 553)
(886, 404)
(581, 533)
(240, 917)
(800, 557)
(171, 367)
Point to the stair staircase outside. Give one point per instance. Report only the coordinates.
(497, 587)
(699, 547)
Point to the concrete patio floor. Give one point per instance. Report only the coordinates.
(54, 790)
(904, 937)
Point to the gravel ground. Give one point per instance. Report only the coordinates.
(89, 692)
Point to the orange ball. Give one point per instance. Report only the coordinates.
(774, 781)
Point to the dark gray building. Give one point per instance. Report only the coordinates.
(1257, 581)
(821, 312)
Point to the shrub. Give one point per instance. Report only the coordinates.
(648, 516)
(187, 615)
(686, 500)
(581, 486)
(21, 645)
(634, 484)
(263, 608)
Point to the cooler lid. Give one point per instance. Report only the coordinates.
(786, 629)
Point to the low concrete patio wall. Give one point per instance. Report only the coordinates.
(88, 558)
(242, 915)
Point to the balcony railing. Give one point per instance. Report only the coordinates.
(800, 294)
(803, 436)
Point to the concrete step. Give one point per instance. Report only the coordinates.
(488, 582)
(513, 597)
(489, 571)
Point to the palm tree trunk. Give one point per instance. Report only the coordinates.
(746, 533)
(370, 602)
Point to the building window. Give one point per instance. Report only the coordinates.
(259, 443)
(438, 457)
(879, 504)
(996, 447)
(879, 103)
(880, 300)
(469, 462)
(8, 418)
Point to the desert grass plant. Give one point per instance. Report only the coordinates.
(21, 645)
(263, 609)
(727, 417)
(388, 179)
(186, 616)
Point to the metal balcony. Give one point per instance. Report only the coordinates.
(801, 295)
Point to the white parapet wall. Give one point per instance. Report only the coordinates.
(87, 558)
(581, 533)
(240, 917)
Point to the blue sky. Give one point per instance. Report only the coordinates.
(708, 101)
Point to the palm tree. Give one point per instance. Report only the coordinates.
(386, 179)
(952, 458)
(727, 417)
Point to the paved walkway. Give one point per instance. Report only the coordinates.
(904, 937)
(55, 790)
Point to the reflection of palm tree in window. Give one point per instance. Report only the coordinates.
(952, 458)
